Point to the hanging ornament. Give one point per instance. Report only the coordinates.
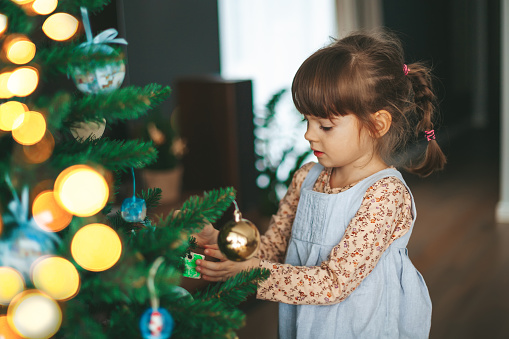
(156, 322)
(82, 130)
(23, 242)
(190, 265)
(239, 239)
(103, 78)
(134, 209)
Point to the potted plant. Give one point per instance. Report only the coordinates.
(166, 173)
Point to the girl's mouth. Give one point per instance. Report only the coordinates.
(318, 153)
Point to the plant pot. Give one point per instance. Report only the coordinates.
(169, 181)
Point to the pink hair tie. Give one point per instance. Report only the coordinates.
(430, 135)
(405, 69)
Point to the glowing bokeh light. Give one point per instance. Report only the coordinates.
(3, 23)
(22, 2)
(60, 26)
(81, 190)
(33, 314)
(19, 49)
(11, 284)
(44, 7)
(23, 81)
(1, 224)
(48, 214)
(4, 91)
(96, 247)
(41, 151)
(12, 115)
(6, 331)
(57, 277)
(32, 130)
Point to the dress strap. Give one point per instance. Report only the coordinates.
(311, 177)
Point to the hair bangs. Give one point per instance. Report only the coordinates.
(326, 86)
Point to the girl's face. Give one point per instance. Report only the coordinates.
(339, 142)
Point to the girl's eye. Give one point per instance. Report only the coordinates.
(325, 129)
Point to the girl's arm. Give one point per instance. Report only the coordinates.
(384, 216)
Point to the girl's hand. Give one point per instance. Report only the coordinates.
(223, 269)
(207, 236)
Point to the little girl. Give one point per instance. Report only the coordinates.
(336, 249)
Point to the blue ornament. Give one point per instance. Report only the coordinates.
(134, 209)
(156, 324)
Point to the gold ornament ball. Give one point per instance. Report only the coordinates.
(239, 240)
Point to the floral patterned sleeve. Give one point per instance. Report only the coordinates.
(274, 242)
(384, 216)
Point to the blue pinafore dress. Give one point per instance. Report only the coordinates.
(391, 302)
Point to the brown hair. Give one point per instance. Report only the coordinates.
(363, 73)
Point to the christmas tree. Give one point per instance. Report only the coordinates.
(73, 263)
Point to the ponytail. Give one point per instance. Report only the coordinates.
(424, 100)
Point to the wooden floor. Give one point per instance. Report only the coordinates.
(456, 245)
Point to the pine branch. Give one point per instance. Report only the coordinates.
(204, 319)
(123, 104)
(152, 196)
(236, 289)
(57, 108)
(61, 58)
(112, 154)
(211, 207)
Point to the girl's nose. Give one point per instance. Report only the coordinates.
(308, 135)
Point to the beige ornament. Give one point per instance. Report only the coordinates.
(81, 131)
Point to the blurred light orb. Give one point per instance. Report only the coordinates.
(12, 114)
(81, 190)
(23, 81)
(41, 151)
(4, 91)
(22, 2)
(33, 314)
(11, 284)
(5, 330)
(32, 130)
(60, 26)
(44, 7)
(96, 247)
(19, 49)
(3, 23)
(57, 277)
(48, 214)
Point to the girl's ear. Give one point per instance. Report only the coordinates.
(382, 121)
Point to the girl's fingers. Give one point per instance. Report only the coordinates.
(215, 253)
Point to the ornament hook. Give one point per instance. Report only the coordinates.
(237, 216)
(154, 300)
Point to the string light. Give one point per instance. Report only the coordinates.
(41, 151)
(11, 284)
(48, 214)
(32, 130)
(4, 91)
(19, 49)
(96, 247)
(33, 314)
(44, 7)
(3, 23)
(81, 190)
(57, 277)
(12, 114)
(60, 26)
(23, 81)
